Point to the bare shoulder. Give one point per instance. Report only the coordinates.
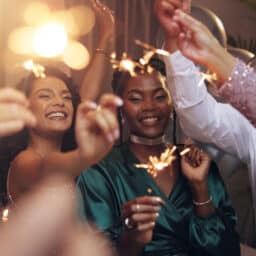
(27, 162)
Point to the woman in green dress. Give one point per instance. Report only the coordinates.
(185, 210)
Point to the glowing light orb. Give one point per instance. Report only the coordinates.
(50, 40)
(84, 18)
(20, 40)
(36, 13)
(76, 56)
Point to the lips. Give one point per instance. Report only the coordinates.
(57, 115)
(150, 120)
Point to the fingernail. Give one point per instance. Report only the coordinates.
(157, 215)
(119, 102)
(93, 105)
(116, 133)
(110, 138)
(157, 208)
(153, 223)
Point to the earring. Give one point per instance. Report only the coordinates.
(122, 117)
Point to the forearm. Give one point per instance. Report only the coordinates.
(221, 63)
(93, 77)
(203, 205)
(70, 163)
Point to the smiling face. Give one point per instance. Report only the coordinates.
(147, 105)
(51, 102)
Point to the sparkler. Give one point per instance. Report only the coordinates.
(5, 215)
(156, 165)
(37, 69)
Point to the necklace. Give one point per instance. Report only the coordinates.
(148, 142)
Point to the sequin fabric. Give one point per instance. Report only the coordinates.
(240, 90)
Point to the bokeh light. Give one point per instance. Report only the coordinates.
(50, 40)
(76, 56)
(20, 41)
(36, 13)
(84, 18)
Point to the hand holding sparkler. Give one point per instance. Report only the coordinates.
(165, 9)
(198, 44)
(139, 216)
(97, 128)
(14, 112)
(195, 165)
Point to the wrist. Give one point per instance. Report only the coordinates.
(222, 63)
(170, 44)
(129, 245)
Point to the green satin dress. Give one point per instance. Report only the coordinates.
(115, 180)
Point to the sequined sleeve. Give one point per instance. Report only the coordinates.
(240, 90)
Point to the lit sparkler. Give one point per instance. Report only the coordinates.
(37, 69)
(155, 164)
(5, 215)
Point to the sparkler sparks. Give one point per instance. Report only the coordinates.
(5, 215)
(37, 69)
(155, 164)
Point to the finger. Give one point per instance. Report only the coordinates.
(13, 111)
(98, 122)
(110, 101)
(152, 200)
(11, 127)
(128, 210)
(12, 95)
(145, 226)
(113, 125)
(187, 21)
(143, 218)
(86, 106)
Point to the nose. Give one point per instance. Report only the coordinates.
(148, 104)
(59, 101)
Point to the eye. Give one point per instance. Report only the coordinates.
(135, 99)
(161, 97)
(44, 96)
(67, 97)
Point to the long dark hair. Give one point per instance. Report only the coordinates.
(11, 146)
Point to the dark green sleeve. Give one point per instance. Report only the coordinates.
(98, 202)
(215, 235)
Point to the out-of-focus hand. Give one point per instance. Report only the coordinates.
(97, 128)
(38, 228)
(165, 9)
(197, 43)
(139, 216)
(105, 18)
(195, 166)
(14, 112)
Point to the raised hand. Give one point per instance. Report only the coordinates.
(97, 128)
(105, 18)
(195, 166)
(14, 112)
(139, 216)
(198, 44)
(165, 9)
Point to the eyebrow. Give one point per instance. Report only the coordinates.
(140, 91)
(51, 91)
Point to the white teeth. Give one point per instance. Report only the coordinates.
(150, 119)
(56, 114)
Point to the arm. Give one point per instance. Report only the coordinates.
(215, 234)
(240, 90)
(201, 117)
(93, 77)
(237, 81)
